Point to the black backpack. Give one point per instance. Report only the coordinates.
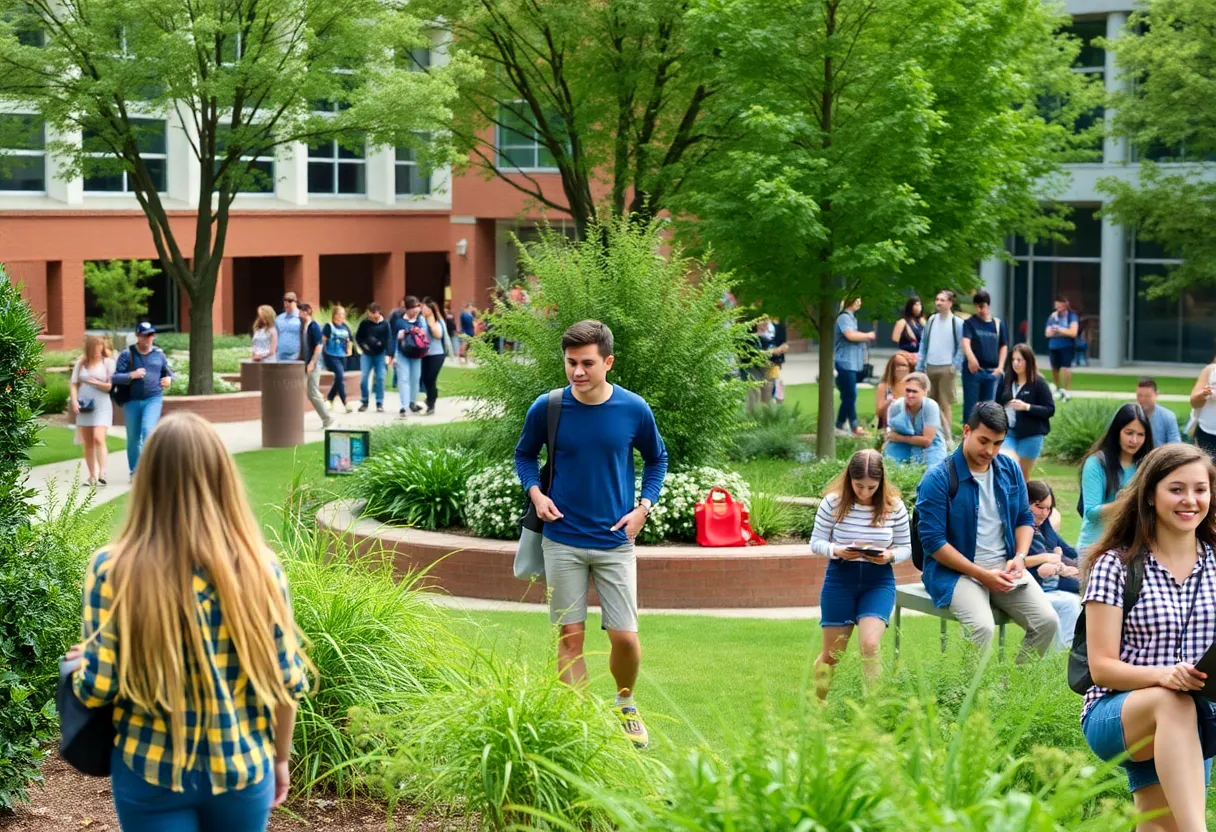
(918, 548)
(1078, 658)
(121, 393)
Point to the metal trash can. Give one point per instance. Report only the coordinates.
(282, 404)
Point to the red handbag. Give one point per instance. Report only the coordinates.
(723, 522)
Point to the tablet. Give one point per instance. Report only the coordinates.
(869, 550)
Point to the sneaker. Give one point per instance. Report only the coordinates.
(362, 408)
(1067, 396)
(101, 481)
(379, 408)
(430, 411)
(633, 726)
(401, 412)
(350, 408)
(415, 407)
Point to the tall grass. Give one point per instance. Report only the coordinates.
(416, 486)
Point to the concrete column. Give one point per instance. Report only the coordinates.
(184, 179)
(1112, 308)
(302, 275)
(388, 279)
(291, 174)
(381, 176)
(1114, 148)
(65, 302)
(67, 190)
(992, 275)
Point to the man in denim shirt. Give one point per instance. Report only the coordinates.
(146, 369)
(975, 557)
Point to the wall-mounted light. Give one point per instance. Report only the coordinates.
(462, 246)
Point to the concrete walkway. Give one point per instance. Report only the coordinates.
(768, 613)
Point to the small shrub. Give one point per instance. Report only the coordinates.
(463, 435)
(1076, 426)
(59, 358)
(181, 380)
(776, 433)
(226, 360)
(20, 398)
(416, 486)
(673, 517)
(769, 516)
(55, 393)
(180, 341)
(118, 286)
(495, 502)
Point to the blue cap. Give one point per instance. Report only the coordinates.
(145, 328)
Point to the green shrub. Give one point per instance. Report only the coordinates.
(769, 516)
(180, 341)
(20, 399)
(674, 346)
(1076, 426)
(180, 385)
(118, 286)
(226, 360)
(59, 358)
(814, 478)
(674, 516)
(409, 434)
(55, 393)
(495, 502)
(416, 486)
(775, 433)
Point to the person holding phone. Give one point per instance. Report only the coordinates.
(1143, 665)
(1204, 404)
(862, 526)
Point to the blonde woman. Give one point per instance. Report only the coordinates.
(190, 584)
(265, 335)
(90, 403)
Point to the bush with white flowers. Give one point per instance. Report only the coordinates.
(673, 517)
(495, 502)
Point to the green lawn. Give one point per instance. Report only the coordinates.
(1127, 384)
(57, 445)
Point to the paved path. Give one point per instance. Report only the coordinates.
(484, 605)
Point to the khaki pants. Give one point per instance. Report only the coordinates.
(314, 394)
(941, 390)
(1028, 605)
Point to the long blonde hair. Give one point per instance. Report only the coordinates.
(265, 319)
(188, 511)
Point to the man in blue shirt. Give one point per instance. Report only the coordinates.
(145, 368)
(941, 357)
(1063, 327)
(290, 329)
(985, 345)
(1164, 421)
(976, 541)
(591, 517)
(468, 330)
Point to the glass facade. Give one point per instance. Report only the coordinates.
(1176, 330)
(256, 178)
(336, 170)
(518, 143)
(411, 179)
(103, 173)
(22, 154)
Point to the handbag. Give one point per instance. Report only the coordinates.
(529, 554)
(86, 734)
(83, 407)
(723, 522)
(867, 369)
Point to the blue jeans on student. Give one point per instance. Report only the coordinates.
(143, 807)
(846, 383)
(409, 380)
(336, 364)
(141, 416)
(370, 364)
(977, 387)
(1103, 730)
(853, 590)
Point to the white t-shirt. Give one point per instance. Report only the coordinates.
(939, 344)
(1207, 414)
(990, 534)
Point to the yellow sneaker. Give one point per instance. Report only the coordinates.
(633, 726)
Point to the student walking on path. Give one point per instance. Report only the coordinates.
(310, 353)
(1108, 466)
(590, 514)
(910, 328)
(1162, 420)
(336, 348)
(289, 328)
(985, 348)
(1204, 402)
(144, 368)
(436, 353)
(862, 526)
(1142, 662)
(914, 430)
(941, 356)
(468, 330)
(1063, 327)
(375, 341)
(850, 351)
(413, 338)
(1029, 407)
(265, 335)
(976, 559)
(188, 633)
(89, 401)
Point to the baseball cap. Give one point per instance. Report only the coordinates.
(145, 328)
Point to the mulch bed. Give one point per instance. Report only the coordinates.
(69, 802)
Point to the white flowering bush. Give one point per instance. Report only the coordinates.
(495, 502)
(673, 517)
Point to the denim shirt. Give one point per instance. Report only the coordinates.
(850, 355)
(933, 501)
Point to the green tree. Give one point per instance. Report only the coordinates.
(244, 77)
(1168, 58)
(877, 147)
(609, 94)
(118, 287)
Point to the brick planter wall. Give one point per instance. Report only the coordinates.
(221, 407)
(669, 577)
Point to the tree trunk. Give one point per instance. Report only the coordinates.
(825, 430)
(201, 337)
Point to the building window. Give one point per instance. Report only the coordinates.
(22, 154)
(257, 178)
(1048, 268)
(1175, 330)
(104, 172)
(519, 145)
(417, 59)
(335, 170)
(1090, 62)
(412, 179)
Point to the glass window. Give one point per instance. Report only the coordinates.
(336, 170)
(1088, 30)
(412, 180)
(104, 172)
(518, 143)
(1198, 336)
(255, 178)
(1086, 240)
(417, 59)
(1156, 335)
(22, 154)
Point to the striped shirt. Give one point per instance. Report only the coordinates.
(232, 738)
(1153, 635)
(858, 527)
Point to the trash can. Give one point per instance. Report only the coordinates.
(282, 404)
(251, 376)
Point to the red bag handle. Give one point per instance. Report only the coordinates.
(717, 489)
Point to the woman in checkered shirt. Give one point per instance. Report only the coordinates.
(188, 632)
(1143, 667)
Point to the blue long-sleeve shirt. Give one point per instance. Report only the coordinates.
(1164, 423)
(156, 363)
(1093, 497)
(933, 502)
(593, 473)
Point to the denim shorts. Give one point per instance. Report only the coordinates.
(853, 590)
(1103, 729)
(1028, 448)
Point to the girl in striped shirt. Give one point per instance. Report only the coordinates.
(862, 526)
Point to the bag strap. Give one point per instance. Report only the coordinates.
(1133, 578)
(553, 416)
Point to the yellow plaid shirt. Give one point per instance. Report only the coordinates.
(232, 736)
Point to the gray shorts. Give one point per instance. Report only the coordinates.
(615, 572)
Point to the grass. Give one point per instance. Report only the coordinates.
(57, 445)
(1127, 384)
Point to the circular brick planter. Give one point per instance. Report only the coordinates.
(669, 577)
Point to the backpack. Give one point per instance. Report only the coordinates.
(1078, 658)
(416, 341)
(121, 393)
(918, 548)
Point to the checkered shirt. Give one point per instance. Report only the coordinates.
(231, 737)
(1151, 632)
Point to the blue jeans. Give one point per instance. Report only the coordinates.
(369, 364)
(143, 807)
(846, 383)
(409, 379)
(977, 387)
(141, 416)
(853, 590)
(336, 364)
